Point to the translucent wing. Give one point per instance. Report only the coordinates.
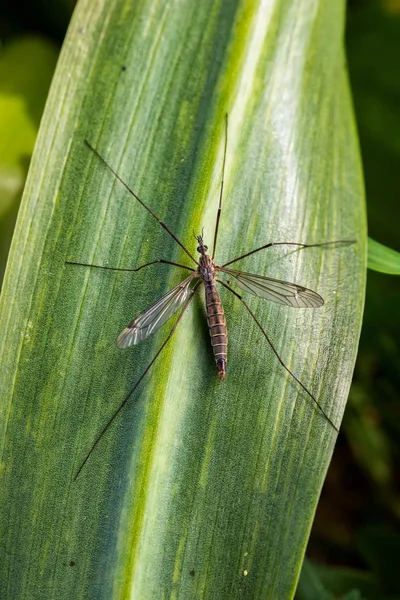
(283, 292)
(156, 315)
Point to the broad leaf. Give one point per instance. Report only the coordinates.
(383, 259)
(200, 488)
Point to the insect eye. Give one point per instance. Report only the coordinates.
(198, 249)
(206, 248)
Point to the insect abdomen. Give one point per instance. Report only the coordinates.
(217, 327)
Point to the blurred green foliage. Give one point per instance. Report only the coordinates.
(383, 259)
(26, 67)
(356, 531)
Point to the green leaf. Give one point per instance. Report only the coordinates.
(352, 595)
(379, 548)
(339, 580)
(327, 583)
(383, 259)
(200, 488)
(310, 586)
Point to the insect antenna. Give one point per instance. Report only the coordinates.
(143, 375)
(222, 188)
(163, 225)
(277, 355)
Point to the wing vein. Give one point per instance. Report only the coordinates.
(156, 315)
(275, 290)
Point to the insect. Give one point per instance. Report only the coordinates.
(206, 273)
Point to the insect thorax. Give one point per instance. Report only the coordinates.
(206, 268)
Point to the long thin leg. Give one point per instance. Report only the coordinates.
(221, 190)
(147, 369)
(341, 242)
(171, 233)
(153, 262)
(277, 355)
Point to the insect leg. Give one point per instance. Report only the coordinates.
(221, 190)
(277, 355)
(147, 369)
(126, 186)
(337, 242)
(153, 262)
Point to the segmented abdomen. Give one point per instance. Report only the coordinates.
(217, 326)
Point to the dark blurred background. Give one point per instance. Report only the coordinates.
(355, 542)
(358, 519)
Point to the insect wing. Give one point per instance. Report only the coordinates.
(155, 316)
(282, 292)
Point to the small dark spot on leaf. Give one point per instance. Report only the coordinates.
(123, 68)
(192, 572)
(72, 563)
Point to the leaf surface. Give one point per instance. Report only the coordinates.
(201, 488)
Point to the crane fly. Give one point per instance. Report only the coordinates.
(207, 273)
